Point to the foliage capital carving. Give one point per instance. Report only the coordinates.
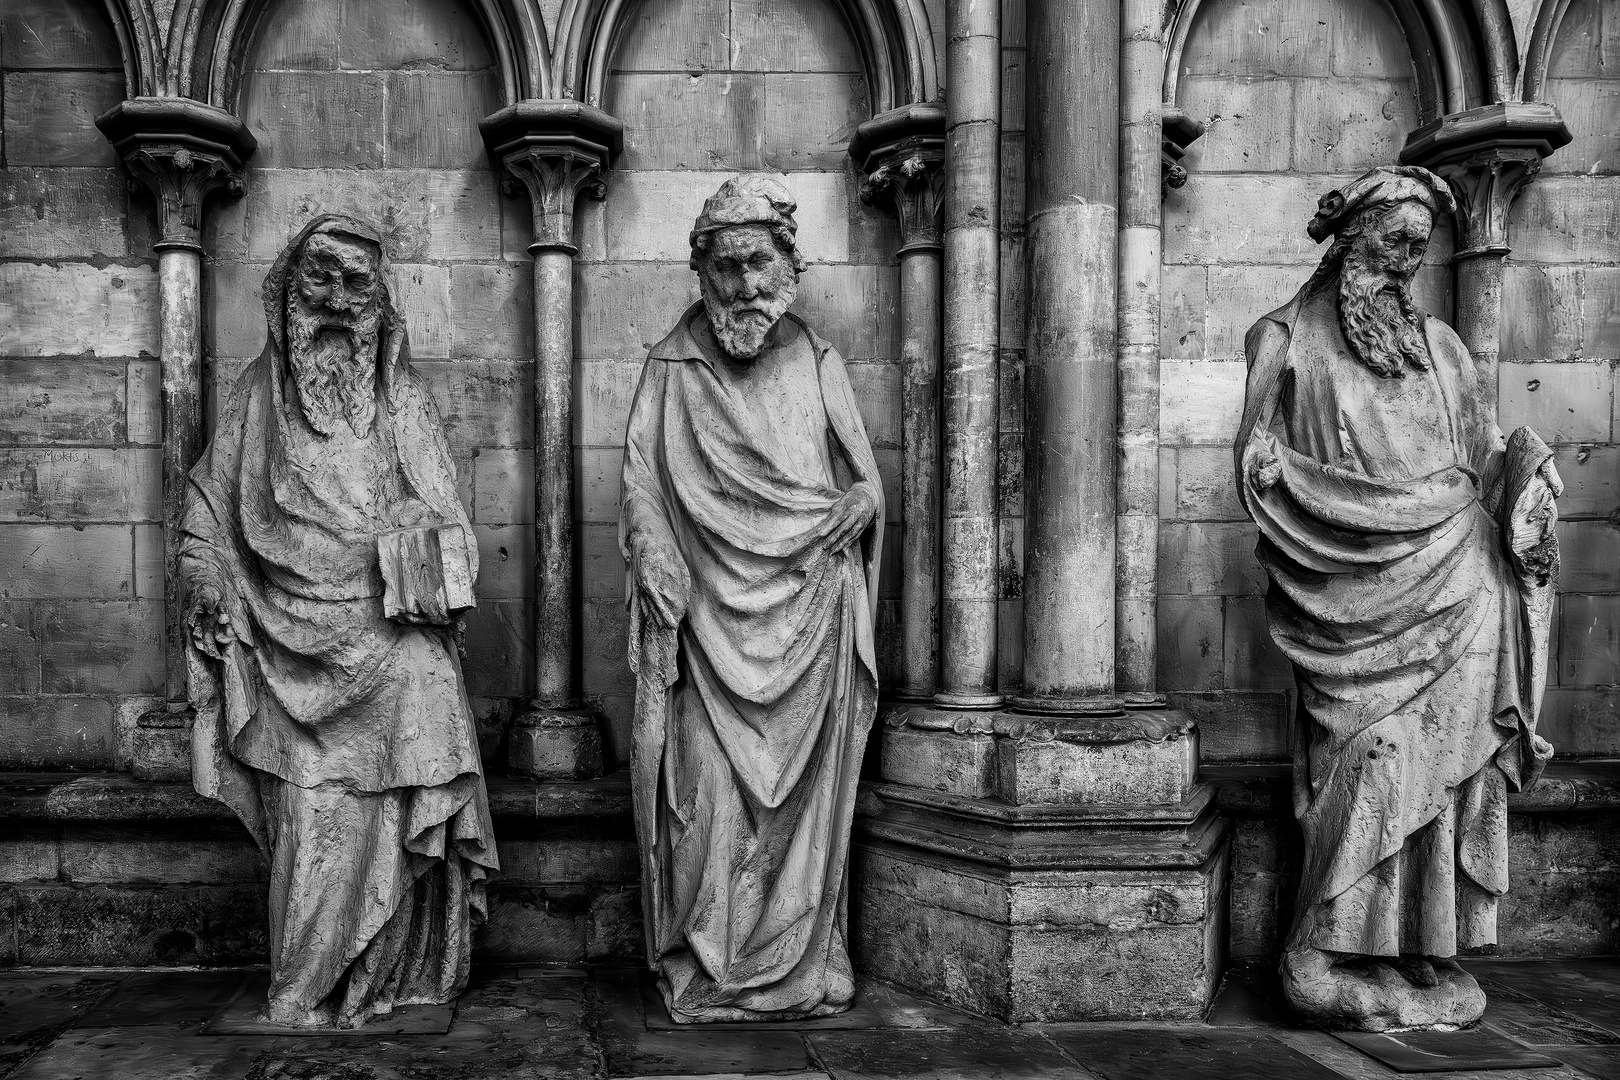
(182, 151)
(902, 153)
(1487, 155)
(556, 151)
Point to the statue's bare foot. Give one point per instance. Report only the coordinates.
(1369, 993)
(1418, 971)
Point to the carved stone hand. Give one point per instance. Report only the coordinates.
(664, 581)
(210, 622)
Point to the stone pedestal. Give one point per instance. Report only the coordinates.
(1043, 868)
(555, 744)
(163, 744)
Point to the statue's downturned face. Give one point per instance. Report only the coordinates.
(336, 279)
(748, 283)
(334, 317)
(1394, 240)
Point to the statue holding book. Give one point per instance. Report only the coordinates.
(1413, 565)
(327, 560)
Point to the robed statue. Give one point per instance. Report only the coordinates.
(752, 521)
(1413, 563)
(325, 558)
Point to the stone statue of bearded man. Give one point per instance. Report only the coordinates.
(752, 521)
(1413, 563)
(331, 715)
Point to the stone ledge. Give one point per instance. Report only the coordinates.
(1587, 784)
(120, 797)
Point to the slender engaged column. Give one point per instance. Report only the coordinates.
(903, 155)
(556, 150)
(181, 151)
(971, 339)
(1070, 388)
(1136, 488)
(1487, 155)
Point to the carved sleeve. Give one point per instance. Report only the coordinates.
(643, 517)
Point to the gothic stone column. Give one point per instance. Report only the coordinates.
(902, 153)
(969, 586)
(182, 152)
(1487, 155)
(1013, 861)
(555, 150)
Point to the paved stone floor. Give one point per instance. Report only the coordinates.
(571, 1023)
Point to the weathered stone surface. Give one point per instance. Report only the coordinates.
(73, 308)
(940, 761)
(554, 745)
(162, 746)
(99, 924)
(1078, 771)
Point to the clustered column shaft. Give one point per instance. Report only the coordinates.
(903, 153)
(1136, 488)
(556, 150)
(1069, 382)
(971, 340)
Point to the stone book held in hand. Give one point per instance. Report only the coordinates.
(426, 572)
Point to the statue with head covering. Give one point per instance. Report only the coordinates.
(1413, 563)
(752, 527)
(326, 559)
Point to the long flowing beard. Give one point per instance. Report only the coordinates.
(335, 370)
(1379, 319)
(742, 326)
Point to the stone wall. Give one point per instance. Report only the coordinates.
(1560, 347)
(81, 612)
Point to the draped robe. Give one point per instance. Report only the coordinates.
(1418, 642)
(752, 716)
(344, 741)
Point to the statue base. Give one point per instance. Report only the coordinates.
(555, 744)
(1041, 868)
(163, 744)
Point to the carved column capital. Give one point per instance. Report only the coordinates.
(1180, 132)
(1487, 155)
(182, 151)
(556, 151)
(902, 153)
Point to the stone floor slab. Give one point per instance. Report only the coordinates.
(240, 1016)
(1136, 1053)
(981, 1053)
(1587, 988)
(1597, 1062)
(1352, 1064)
(632, 1050)
(183, 1000)
(36, 1007)
(1473, 1049)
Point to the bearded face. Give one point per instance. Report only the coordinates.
(748, 283)
(334, 316)
(1376, 313)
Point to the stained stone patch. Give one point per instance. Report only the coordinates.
(958, 1055)
(1149, 1054)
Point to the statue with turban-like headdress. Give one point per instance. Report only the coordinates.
(752, 526)
(326, 559)
(1413, 564)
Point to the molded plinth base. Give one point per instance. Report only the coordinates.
(1042, 913)
(555, 744)
(1145, 757)
(163, 744)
